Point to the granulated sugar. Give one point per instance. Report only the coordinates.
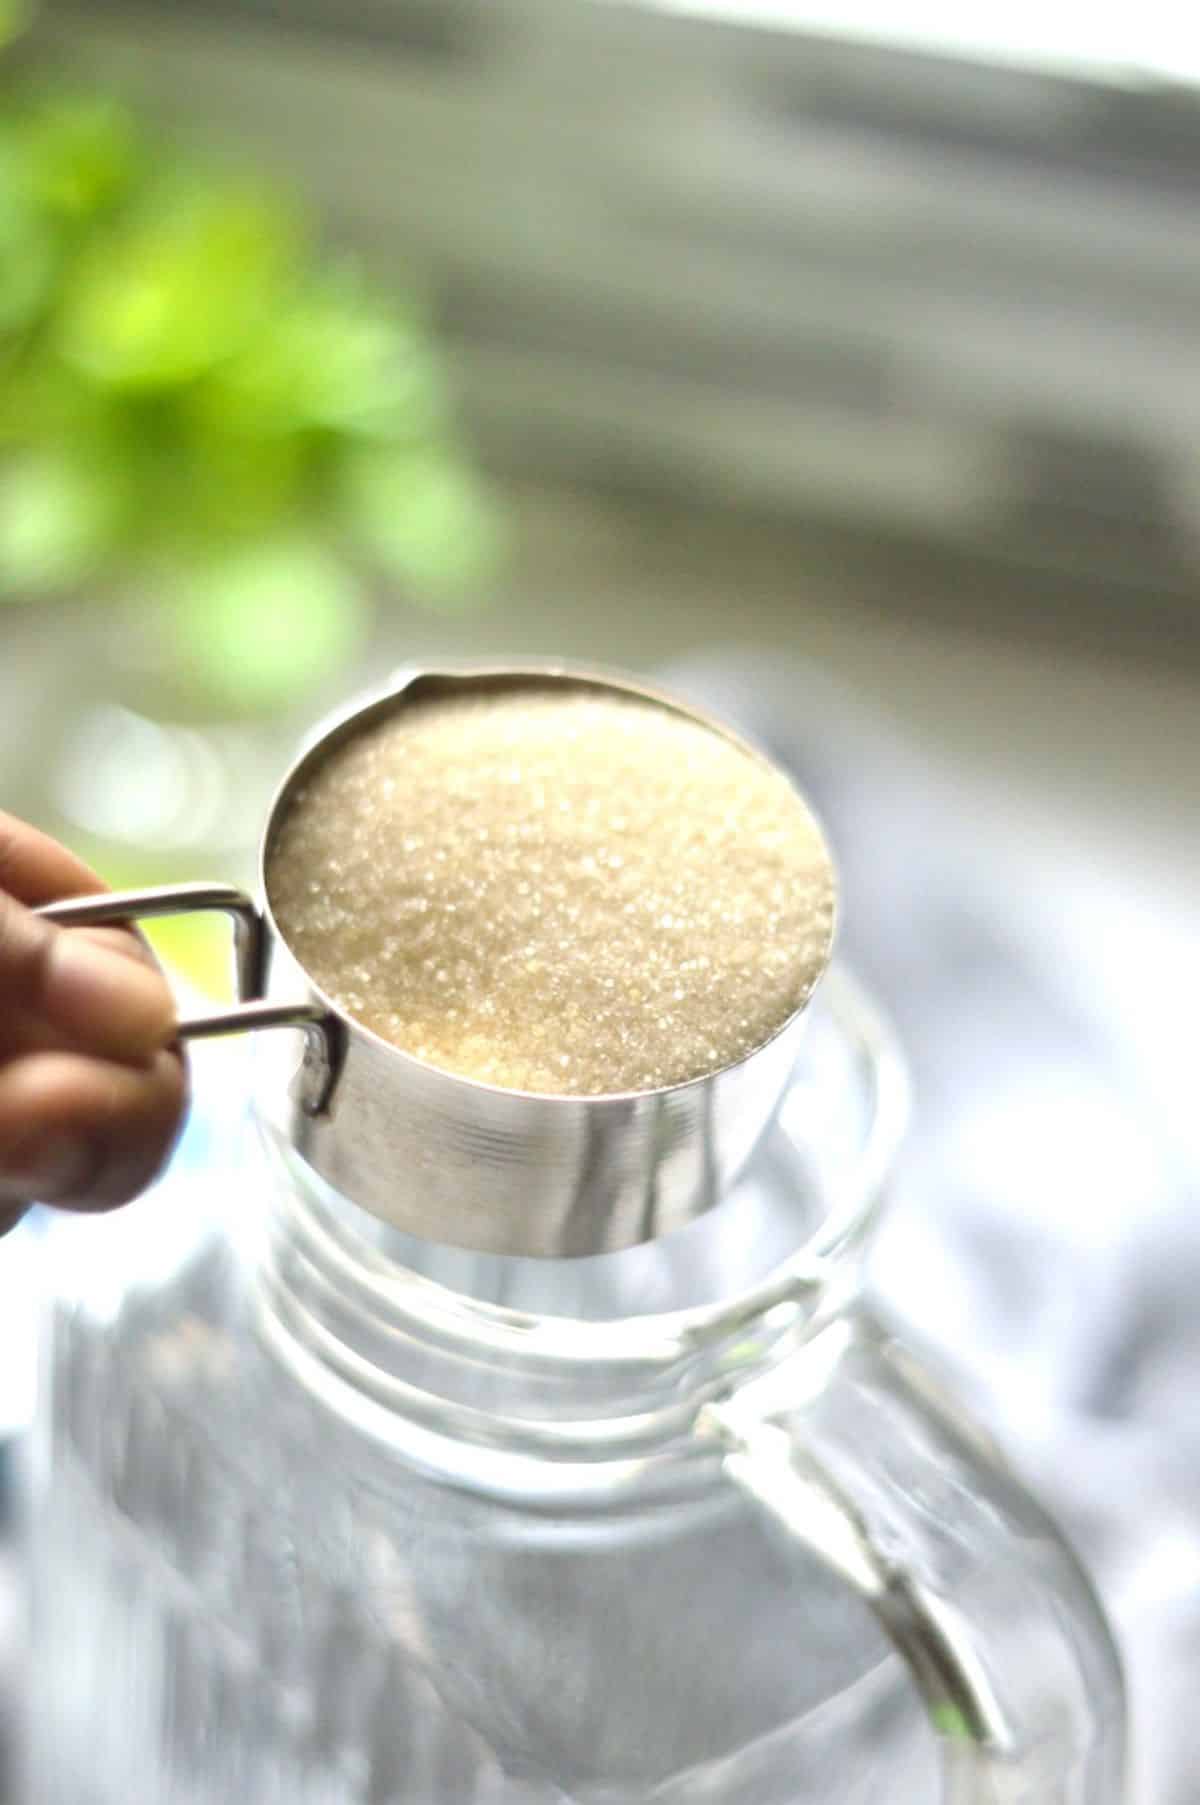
(555, 889)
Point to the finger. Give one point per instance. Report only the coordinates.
(76, 989)
(36, 869)
(86, 1133)
(123, 940)
(10, 1215)
(21, 1030)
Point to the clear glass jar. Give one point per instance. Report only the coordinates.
(325, 1514)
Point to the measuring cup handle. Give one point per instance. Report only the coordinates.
(249, 928)
(250, 958)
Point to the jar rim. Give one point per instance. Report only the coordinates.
(371, 1254)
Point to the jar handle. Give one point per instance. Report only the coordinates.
(251, 1012)
(852, 1449)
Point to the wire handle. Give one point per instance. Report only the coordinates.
(250, 961)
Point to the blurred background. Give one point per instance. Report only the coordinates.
(842, 363)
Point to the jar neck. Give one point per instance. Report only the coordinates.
(600, 1359)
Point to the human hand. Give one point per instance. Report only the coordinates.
(92, 1088)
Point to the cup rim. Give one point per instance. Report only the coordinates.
(342, 723)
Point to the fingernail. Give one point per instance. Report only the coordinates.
(58, 1168)
(115, 1003)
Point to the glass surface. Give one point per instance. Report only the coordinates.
(327, 1516)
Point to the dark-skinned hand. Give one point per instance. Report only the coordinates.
(92, 1087)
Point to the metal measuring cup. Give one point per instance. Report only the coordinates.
(448, 1158)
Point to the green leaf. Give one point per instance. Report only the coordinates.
(232, 486)
(170, 297)
(258, 628)
(15, 17)
(28, 263)
(366, 371)
(331, 362)
(57, 522)
(44, 405)
(80, 153)
(424, 518)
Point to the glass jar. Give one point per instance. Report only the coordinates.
(327, 1515)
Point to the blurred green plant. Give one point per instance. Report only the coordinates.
(197, 405)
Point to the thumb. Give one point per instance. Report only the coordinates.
(66, 987)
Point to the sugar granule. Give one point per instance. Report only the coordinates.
(561, 890)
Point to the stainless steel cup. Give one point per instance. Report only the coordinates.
(445, 1157)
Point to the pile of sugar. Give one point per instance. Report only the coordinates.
(559, 890)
